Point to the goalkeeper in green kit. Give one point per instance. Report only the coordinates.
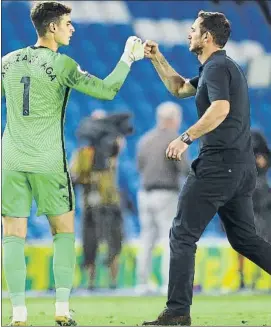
(36, 82)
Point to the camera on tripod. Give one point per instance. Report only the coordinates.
(99, 137)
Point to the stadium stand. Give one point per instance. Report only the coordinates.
(106, 25)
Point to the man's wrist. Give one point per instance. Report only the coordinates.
(156, 57)
(185, 137)
(126, 58)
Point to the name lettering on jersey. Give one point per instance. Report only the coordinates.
(49, 71)
(31, 60)
(5, 68)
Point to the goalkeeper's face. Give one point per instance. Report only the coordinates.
(64, 30)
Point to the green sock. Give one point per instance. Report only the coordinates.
(15, 268)
(63, 265)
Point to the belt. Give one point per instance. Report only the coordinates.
(160, 187)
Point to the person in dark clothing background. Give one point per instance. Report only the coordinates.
(102, 217)
(223, 177)
(261, 200)
(262, 193)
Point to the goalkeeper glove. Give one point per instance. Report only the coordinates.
(133, 51)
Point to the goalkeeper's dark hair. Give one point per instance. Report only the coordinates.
(217, 25)
(46, 12)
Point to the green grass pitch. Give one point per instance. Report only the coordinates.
(226, 310)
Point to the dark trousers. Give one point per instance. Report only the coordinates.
(210, 188)
(102, 223)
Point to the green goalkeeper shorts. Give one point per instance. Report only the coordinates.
(52, 193)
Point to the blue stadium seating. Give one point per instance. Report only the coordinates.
(143, 90)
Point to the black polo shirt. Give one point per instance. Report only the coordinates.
(220, 78)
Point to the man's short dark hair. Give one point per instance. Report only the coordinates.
(217, 25)
(45, 12)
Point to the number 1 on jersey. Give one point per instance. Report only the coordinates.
(26, 81)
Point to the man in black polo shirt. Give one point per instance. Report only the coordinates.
(222, 178)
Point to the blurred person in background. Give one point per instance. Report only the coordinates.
(261, 198)
(94, 167)
(158, 197)
(262, 193)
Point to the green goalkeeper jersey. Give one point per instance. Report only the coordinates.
(36, 82)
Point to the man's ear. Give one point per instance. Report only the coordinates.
(204, 36)
(52, 27)
(208, 36)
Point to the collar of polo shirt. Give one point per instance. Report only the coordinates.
(214, 54)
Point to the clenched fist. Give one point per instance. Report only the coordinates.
(150, 49)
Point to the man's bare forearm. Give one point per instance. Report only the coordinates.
(172, 80)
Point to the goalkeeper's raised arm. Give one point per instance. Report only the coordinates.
(70, 74)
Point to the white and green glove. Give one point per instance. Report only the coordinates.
(133, 51)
